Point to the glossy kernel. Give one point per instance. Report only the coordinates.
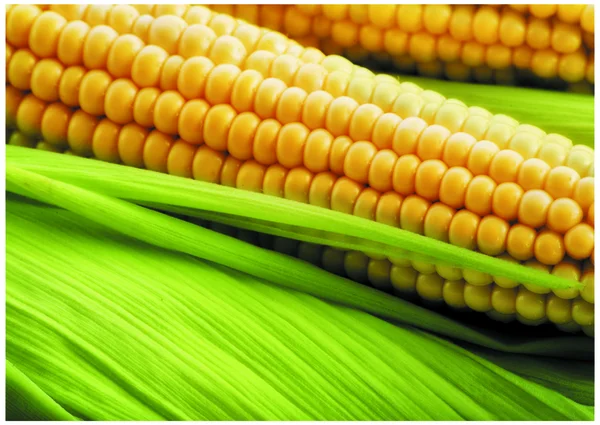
(45, 79)
(290, 144)
(119, 100)
(227, 50)
(166, 111)
(358, 161)
(147, 65)
(505, 166)
(428, 178)
(584, 193)
(220, 83)
(530, 305)
(491, 235)
(165, 32)
(265, 142)
(533, 209)
(20, 69)
(366, 204)
(558, 309)
(181, 158)
(430, 287)
(191, 82)
(579, 241)
(156, 151)
(122, 18)
(19, 21)
(71, 41)
(208, 163)
(389, 209)
(97, 46)
(463, 229)
(506, 200)
(291, 105)
(170, 72)
(412, 214)
(105, 141)
(92, 91)
(314, 109)
(437, 221)
(216, 126)
(431, 142)
(143, 106)
(196, 40)
(561, 182)
(478, 197)
(532, 174)
(407, 135)
(478, 298)
(381, 170)
(122, 55)
(339, 114)
(81, 131)
(267, 97)
(549, 247)
(457, 148)
(321, 189)
(131, 145)
(45, 33)
(274, 181)
(481, 156)
(405, 173)
(344, 194)
(55, 123)
(563, 214)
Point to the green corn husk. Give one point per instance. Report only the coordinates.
(112, 322)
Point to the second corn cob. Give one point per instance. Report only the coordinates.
(443, 39)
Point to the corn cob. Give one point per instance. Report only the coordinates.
(252, 157)
(43, 78)
(469, 35)
(402, 170)
(405, 99)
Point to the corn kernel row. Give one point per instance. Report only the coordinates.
(473, 36)
(482, 24)
(404, 99)
(582, 14)
(430, 56)
(384, 170)
(571, 65)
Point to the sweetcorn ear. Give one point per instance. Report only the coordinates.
(303, 135)
(414, 158)
(462, 42)
(307, 69)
